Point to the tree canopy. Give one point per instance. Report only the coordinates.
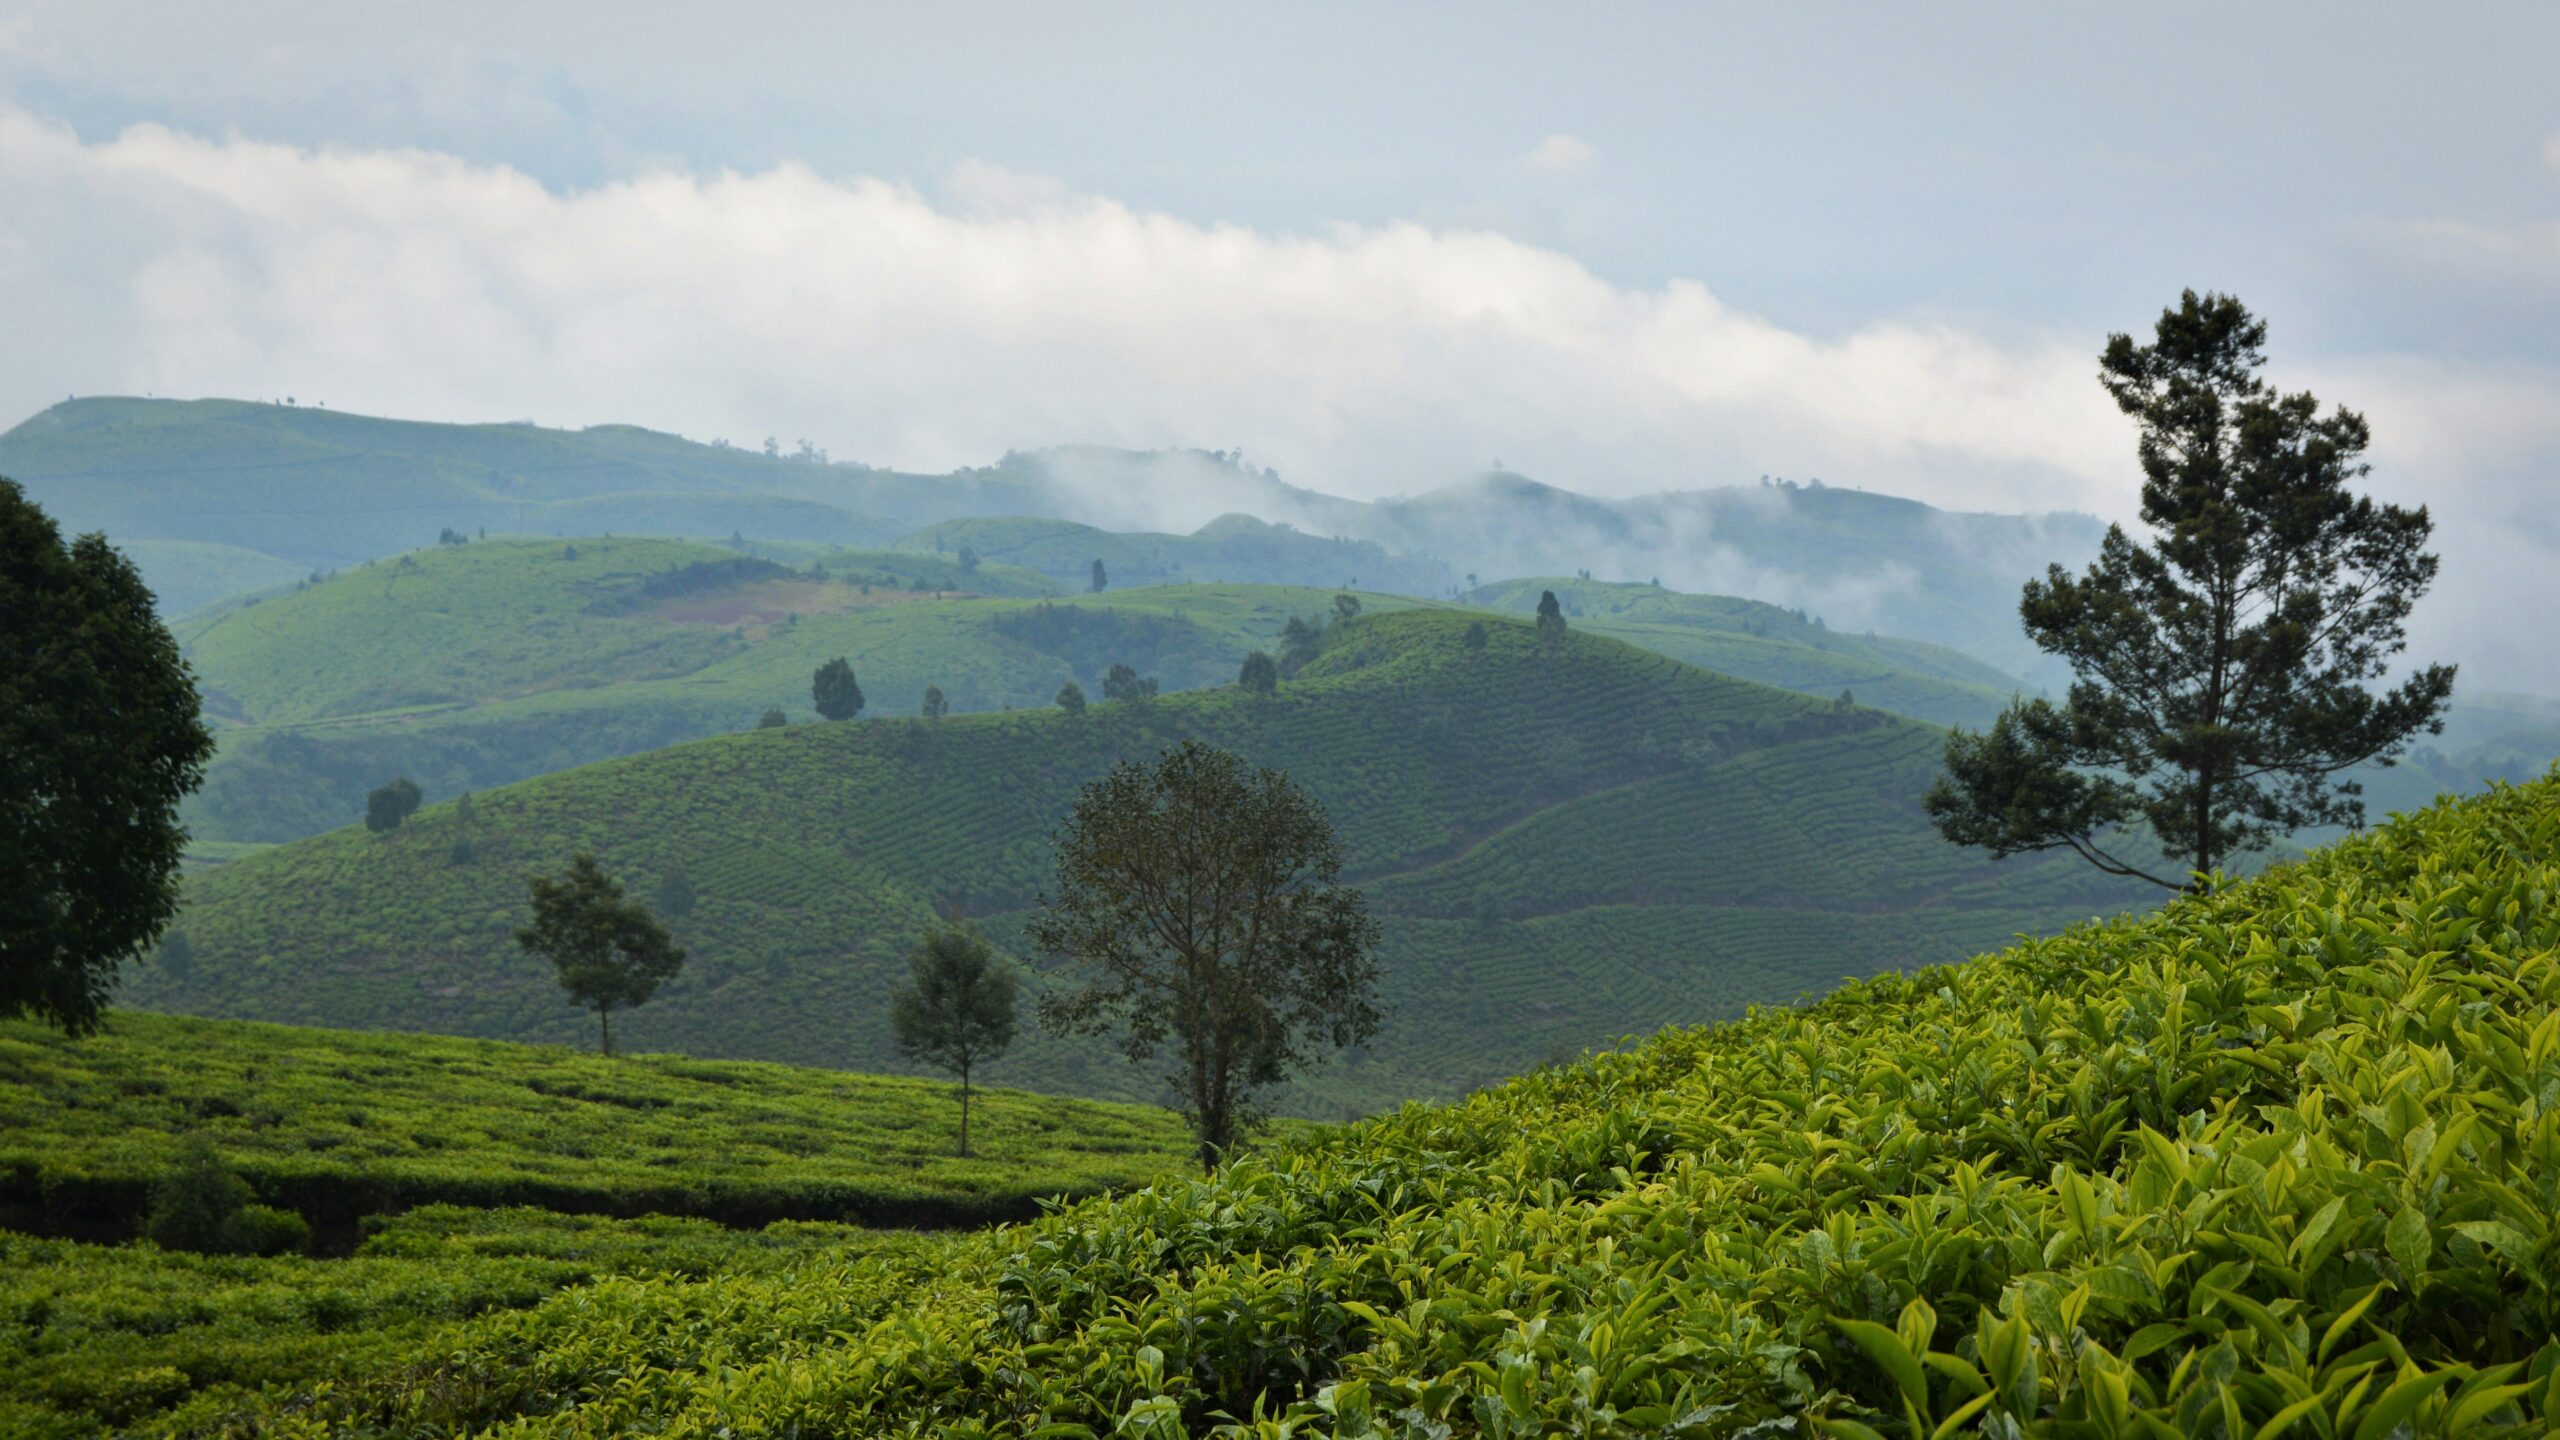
(1260, 675)
(612, 954)
(388, 807)
(956, 1009)
(834, 691)
(1197, 903)
(100, 738)
(1550, 615)
(2220, 671)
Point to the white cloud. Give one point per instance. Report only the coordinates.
(1012, 312)
(1008, 311)
(1561, 154)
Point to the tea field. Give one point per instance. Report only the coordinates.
(1568, 842)
(2283, 1160)
(338, 1126)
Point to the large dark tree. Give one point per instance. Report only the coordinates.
(612, 954)
(1260, 675)
(99, 739)
(834, 692)
(388, 807)
(955, 1012)
(2220, 670)
(1124, 683)
(1197, 900)
(1550, 615)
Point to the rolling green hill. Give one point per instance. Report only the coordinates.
(2281, 1161)
(1773, 646)
(1230, 548)
(311, 489)
(338, 1125)
(446, 1179)
(1569, 841)
(471, 666)
(475, 665)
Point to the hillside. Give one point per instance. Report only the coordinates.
(291, 489)
(1778, 647)
(1568, 842)
(2281, 1161)
(338, 1125)
(467, 667)
(444, 1180)
(1229, 548)
(475, 665)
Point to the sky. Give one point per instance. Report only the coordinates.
(1376, 247)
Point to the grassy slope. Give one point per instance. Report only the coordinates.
(1234, 547)
(340, 1125)
(477, 665)
(1569, 842)
(483, 664)
(119, 1335)
(2282, 1161)
(1773, 646)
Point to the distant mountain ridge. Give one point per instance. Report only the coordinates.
(305, 488)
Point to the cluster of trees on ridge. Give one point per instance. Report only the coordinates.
(2220, 691)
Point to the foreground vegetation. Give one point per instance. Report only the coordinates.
(2281, 1160)
(338, 1126)
(1566, 841)
(132, 1337)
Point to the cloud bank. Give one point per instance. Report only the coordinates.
(935, 329)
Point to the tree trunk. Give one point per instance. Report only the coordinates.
(604, 1029)
(964, 1112)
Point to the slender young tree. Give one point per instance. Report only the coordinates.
(1101, 578)
(834, 692)
(1197, 900)
(2220, 671)
(100, 738)
(612, 954)
(956, 1010)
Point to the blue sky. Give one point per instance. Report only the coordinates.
(1625, 249)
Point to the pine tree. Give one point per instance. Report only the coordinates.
(2220, 670)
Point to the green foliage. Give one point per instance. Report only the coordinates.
(1124, 683)
(834, 691)
(155, 1341)
(1785, 648)
(100, 737)
(337, 1125)
(773, 719)
(1550, 614)
(1101, 579)
(2220, 671)
(1197, 901)
(935, 706)
(1680, 845)
(1260, 675)
(194, 1204)
(612, 954)
(388, 807)
(956, 1010)
(2276, 1161)
(1071, 698)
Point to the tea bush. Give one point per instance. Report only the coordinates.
(2279, 1161)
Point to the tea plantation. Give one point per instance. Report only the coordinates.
(1569, 841)
(339, 1125)
(475, 665)
(2280, 1161)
